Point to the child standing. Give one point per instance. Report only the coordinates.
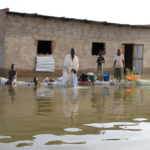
(100, 61)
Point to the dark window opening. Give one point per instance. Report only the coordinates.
(128, 56)
(44, 47)
(96, 47)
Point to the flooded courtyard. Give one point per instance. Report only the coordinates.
(87, 117)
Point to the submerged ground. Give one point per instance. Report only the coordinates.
(67, 118)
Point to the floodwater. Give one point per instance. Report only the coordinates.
(86, 118)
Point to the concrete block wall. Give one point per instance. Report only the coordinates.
(2, 36)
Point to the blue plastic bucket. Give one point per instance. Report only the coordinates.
(106, 76)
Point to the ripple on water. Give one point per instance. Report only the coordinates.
(97, 125)
(5, 137)
(139, 119)
(73, 129)
(117, 139)
(93, 117)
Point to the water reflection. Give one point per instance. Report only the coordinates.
(70, 103)
(61, 142)
(46, 116)
(44, 100)
(98, 98)
(0, 88)
(12, 89)
(118, 101)
(24, 144)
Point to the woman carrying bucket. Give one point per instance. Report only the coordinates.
(100, 61)
(119, 65)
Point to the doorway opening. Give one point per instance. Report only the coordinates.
(128, 56)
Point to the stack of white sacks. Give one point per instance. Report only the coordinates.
(45, 64)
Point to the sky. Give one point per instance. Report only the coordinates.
(115, 11)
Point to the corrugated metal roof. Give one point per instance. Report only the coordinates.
(79, 20)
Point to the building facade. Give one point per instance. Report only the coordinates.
(23, 37)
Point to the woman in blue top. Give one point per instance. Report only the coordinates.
(100, 61)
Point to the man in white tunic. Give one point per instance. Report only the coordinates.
(70, 67)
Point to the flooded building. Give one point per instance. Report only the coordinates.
(38, 44)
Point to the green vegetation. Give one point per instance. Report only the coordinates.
(131, 77)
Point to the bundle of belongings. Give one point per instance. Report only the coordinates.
(48, 80)
(87, 77)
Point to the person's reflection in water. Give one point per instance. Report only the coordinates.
(105, 91)
(35, 90)
(94, 101)
(70, 103)
(118, 102)
(12, 92)
(44, 100)
(98, 99)
(0, 88)
(98, 102)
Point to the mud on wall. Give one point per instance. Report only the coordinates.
(23, 32)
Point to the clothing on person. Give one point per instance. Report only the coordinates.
(119, 66)
(100, 68)
(12, 75)
(100, 72)
(75, 82)
(118, 73)
(69, 64)
(99, 59)
(119, 59)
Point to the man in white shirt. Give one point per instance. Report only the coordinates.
(71, 65)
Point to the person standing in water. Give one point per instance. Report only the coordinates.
(100, 61)
(119, 65)
(71, 65)
(12, 75)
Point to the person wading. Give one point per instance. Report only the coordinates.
(119, 65)
(71, 65)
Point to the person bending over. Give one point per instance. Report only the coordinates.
(71, 65)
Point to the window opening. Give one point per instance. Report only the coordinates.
(44, 47)
(96, 47)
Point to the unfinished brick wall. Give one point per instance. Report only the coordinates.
(2, 36)
(23, 32)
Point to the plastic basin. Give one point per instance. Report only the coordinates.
(129, 78)
(106, 76)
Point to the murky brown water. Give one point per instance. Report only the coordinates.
(106, 118)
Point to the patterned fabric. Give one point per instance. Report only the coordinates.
(118, 73)
(100, 73)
